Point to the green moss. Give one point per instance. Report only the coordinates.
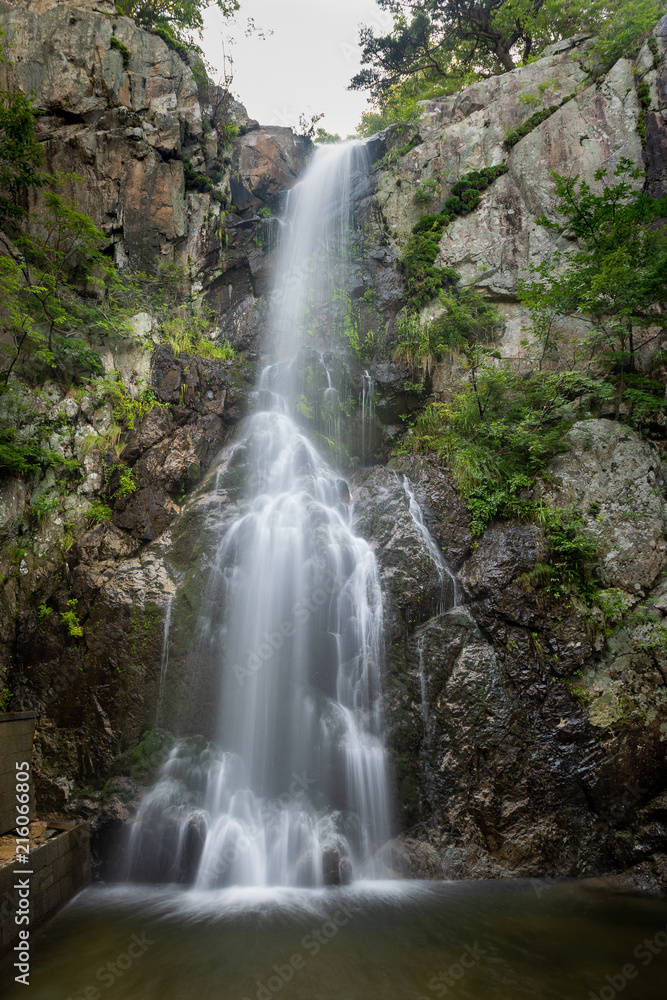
(121, 47)
(171, 41)
(423, 278)
(655, 51)
(516, 134)
(143, 761)
(414, 141)
(644, 98)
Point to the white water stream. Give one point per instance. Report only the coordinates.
(299, 793)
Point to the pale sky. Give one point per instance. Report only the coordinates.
(304, 67)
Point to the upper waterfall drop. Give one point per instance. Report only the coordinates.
(299, 794)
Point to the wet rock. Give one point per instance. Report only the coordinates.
(12, 506)
(410, 858)
(269, 159)
(615, 478)
(410, 582)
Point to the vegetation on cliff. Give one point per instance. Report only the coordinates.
(437, 48)
(175, 18)
(505, 422)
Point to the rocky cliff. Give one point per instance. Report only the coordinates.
(528, 732)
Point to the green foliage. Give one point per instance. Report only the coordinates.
(644, 97)
(514, 135)
(614, 279)
(194, 180)
(467, 318)
(24, 441)
(322, 136)
(189, 336)
(20, 152)
(127, 409)
(143, 761)
(5, 699)
(177, 18)
(571, 551)
(126, 484)
(98, 512)
(398, 103)
(70, 619)
(423, 279)
(427, 190)
(500, 429)
(172, 41)
(265, 212)
(42, 505)
(228, 132)
(448, 40)
(535, 100)
(59, 288)
(121, 47)
(43, 611)
(622, 32)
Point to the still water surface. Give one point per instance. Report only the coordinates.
(500, 940)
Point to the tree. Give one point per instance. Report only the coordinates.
(615, 278)
(179, 15)
(447, 39)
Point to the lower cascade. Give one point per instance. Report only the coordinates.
(295, 790)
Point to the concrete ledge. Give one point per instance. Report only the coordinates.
(17, 730)
(61, 867)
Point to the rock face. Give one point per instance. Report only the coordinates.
(526, 739)
(137, 125)
(597, 127)
(616, 480)
(527, 734)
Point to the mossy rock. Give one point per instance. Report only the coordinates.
(144, 760)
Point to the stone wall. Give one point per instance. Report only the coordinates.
(60, 868)
(16, 735)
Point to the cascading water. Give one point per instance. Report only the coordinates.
(450, 596)
(449, 587)
(300, 794)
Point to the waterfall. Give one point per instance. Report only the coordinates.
(164, 661)
(449, 586)
(295, 789)
(367, 414)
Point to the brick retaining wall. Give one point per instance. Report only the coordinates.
(60, 868)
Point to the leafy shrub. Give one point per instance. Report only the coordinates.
(127, 409)
(188, 336)
(126, 484)
(98, 512)
(614, 277)
(426, 190)
(70, 619)
(41, 506)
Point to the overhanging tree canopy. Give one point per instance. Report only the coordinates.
(183, 15)
(451, 38)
